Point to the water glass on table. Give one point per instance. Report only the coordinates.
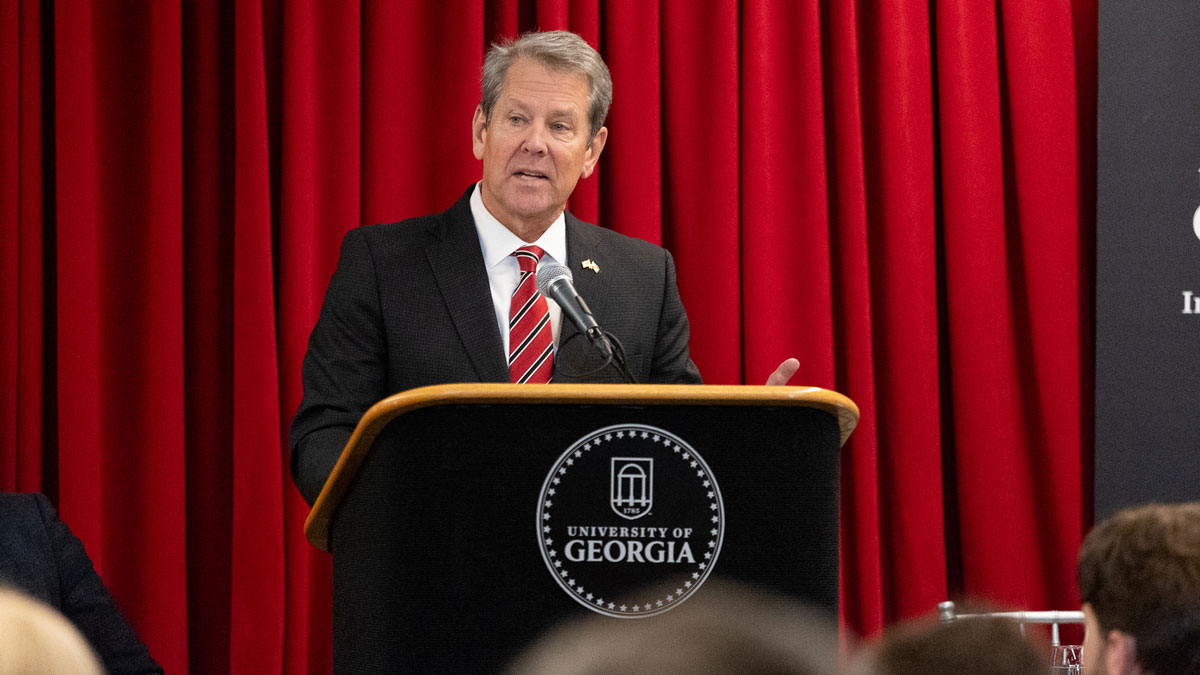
(1065, 660)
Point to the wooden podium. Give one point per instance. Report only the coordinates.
(466, 519)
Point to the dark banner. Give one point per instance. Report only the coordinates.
(1148, 247)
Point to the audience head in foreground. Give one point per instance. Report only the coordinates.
(1139, 579)
(723, 629)
(980, 646)
(34, 638)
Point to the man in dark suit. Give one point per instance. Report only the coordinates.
(426, 301)
(40, 556)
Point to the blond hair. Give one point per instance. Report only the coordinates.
(34, 638)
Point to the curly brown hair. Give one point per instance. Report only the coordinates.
(1140, 571)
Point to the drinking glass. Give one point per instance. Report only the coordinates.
(1064, 660)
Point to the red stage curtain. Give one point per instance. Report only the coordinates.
(900, 194)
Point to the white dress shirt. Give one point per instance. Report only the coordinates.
(498, 243)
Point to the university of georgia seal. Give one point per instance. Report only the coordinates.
(630, 521)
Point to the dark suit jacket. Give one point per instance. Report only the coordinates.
(410, 305)
(40, 556)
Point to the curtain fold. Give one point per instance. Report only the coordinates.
(861, 601)
(321, 143)
(208, 228)
(118, 309)
(782, 159)
(899, 194)
(22, 286)
(257, 581)
(629, 44)
(700, 150)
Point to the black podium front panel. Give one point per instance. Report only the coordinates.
(438, 558)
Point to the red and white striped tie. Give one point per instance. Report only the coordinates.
(530, 342)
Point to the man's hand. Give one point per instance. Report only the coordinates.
(783, 373)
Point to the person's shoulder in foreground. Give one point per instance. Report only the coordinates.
(41, 557)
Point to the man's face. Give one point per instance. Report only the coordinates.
(536, 146)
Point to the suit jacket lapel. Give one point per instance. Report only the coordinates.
(457, 265)
(593, 287)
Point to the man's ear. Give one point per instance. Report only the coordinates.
(1120, 654)
(592, 154)
(478, 132)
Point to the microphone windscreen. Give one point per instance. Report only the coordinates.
(549, 274)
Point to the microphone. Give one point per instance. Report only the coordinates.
(554, 282)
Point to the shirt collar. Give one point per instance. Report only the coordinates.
(498, 242)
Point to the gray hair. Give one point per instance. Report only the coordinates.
(557, 50)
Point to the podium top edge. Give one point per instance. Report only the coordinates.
(832, 402)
